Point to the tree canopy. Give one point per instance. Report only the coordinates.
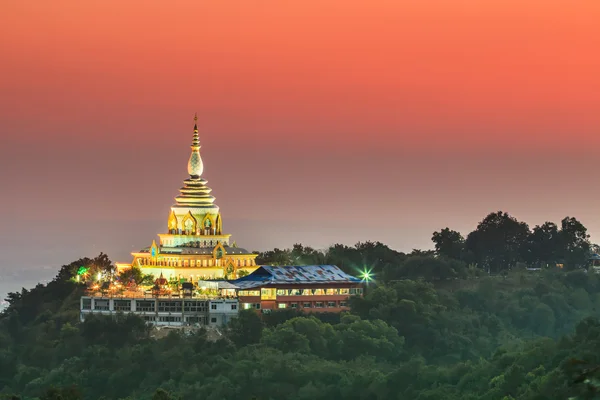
(431, 325)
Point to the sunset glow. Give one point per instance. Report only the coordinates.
(320, 121)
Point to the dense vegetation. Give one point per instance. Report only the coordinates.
(467, 321)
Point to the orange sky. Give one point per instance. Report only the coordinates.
(419, 114)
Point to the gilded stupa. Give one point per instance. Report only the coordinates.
(195, 246)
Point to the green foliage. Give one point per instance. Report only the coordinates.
(242, 272)
(246, 329)
(430, 326)
(574, 243)
(162, 394)
(132, 274)
(66, 393)
(497, 241)
(449, 244)
(498, 244)
(428, 268)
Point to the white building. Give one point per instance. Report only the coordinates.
(164, 311)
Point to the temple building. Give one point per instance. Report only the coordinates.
(194, 246)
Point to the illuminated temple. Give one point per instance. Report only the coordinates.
(194, 246)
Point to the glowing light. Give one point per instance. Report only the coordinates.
(82, 270)
(366, 276)
(99, 276)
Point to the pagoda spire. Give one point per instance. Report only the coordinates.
(194, 192)
(196, 140)
(195, 165)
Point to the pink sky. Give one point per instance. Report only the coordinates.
(321, 121)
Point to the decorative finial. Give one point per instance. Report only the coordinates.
(195, 166)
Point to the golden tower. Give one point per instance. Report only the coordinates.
(194, 246)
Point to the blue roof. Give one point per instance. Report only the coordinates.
(306, 274)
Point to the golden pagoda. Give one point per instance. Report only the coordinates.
(195, 246)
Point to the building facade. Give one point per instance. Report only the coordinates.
(164, 311)
(195, 246)
(314, 288)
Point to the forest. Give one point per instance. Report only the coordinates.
(506, 312)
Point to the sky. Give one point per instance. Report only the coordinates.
(321, 121)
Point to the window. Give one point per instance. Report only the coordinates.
(281, 305)
(122, 305)
(213, 320)
(345, 291)
(169, 319)
(356, 291)
(281, 292)
(234, 306)
(170, 306)
(257, 306)
(332, 292)
(318, 292)
(294, 305)
(144, 305)
(268, 294)
(318, 304)
(249, 293)
(86, 304)
(101, 305)
(306, 292)
(247, 306)
(195, 306)
(331, 304)
(213, 306)
(305, 305)
(148, 318)
(343, 304)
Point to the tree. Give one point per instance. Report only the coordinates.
(574, 243)
(161, 394)
(100, 264)
(242, 273)
(133, 273)
(369, 256)
(449, 243)
(428, 268)
(68, 393)
(542, 245)
(304, 255)
(246, 329)
(498, 241)
(274, 257)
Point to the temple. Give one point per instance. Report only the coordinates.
(194, 247)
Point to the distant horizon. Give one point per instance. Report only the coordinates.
(31, 274)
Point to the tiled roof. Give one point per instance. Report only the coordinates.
(310, 274)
